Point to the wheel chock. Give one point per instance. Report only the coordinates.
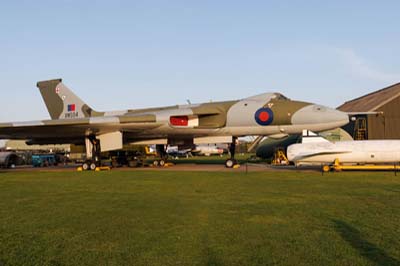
(79, 169)
(103, 168)
(236, 166)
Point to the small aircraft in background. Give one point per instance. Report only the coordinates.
(74, 122)
(176, 153)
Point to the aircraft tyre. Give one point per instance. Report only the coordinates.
(93, 166)
(159, 163)
(85, 166)
(230, 163)
(326, 168)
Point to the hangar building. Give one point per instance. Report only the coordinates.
(382, 118)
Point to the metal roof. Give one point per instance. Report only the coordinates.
(372, 101)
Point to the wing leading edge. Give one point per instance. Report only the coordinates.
(78, 128)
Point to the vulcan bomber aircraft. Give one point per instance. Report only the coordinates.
(74, 122)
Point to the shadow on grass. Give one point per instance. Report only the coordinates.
(209, 254)
(211, 258)
(366, 249)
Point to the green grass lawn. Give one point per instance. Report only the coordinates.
(199, 218)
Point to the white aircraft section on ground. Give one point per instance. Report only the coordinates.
(208, 150)
(315, 149)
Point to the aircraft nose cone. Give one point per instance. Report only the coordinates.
(318, 114)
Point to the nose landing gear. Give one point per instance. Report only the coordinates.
(232, 162)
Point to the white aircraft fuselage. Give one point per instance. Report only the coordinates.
(347, 152)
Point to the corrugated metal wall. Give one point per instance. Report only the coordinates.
(376, 128)
(386, 125)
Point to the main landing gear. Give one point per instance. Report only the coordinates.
(163, 156)
(93, 153)
(231, 162)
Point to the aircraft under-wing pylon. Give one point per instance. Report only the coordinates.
(74, 122)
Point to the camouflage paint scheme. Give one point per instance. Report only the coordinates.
(72, 120)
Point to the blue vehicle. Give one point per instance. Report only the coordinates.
(44, 160)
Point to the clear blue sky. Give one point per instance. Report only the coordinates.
(131, 54)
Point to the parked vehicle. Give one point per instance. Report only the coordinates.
(9, 159)
(44, 160)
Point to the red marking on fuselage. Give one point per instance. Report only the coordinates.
(263, 116)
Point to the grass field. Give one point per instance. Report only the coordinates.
(199, 218)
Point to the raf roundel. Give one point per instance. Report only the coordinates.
(264, 116)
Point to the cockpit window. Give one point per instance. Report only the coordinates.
(281, 97)
(319, 108)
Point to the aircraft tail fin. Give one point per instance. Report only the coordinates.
(62, 103)
(311, 137)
